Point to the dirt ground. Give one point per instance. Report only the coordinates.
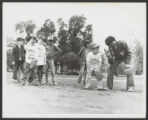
(68, 97)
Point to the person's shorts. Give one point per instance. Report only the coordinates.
(97, 73)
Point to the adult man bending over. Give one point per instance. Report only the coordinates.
(119, 58)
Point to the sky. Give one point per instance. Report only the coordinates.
(124, 21)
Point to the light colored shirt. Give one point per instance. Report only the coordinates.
(31, 53)
(41, 54)
(94, 61)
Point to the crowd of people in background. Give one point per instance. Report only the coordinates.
(30, 59)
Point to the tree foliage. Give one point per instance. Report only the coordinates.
(27, 27)
(138, 57)
(63, 36)
(76, 23)
(20, 26)
(48, 28)
(87, 33)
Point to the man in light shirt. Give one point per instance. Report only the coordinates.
(93, 65)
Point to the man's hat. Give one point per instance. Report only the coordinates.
(94, 45)
(109, 40)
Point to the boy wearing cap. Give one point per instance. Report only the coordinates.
(30, 69)
(18, 53)
(83, 54)
(52, 50)
(93, 65)
(119, 59)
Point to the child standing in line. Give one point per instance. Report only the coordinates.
(52, 50)
(83, 67)
(41, 61)
(18, 53)
(93, 65)
(30, 69)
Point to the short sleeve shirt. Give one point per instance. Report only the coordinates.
(94, 60)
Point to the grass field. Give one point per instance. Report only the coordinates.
(68, 97)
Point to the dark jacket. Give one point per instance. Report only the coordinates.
(120, 50)
(18, 53)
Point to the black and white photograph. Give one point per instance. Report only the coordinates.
(74, 59)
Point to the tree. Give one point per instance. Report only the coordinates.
(138, 57)
(76, 23)
(62, 24)
(20, 26)
(87, 34)
(63, 36)
(48, 28)
(27, 27)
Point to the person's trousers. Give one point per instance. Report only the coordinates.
(83, 71)
(121, 68)
(97, 73)
(29, 74)
(40, 72)
(18, 70)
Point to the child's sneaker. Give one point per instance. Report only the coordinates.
(27, 83)
(131, 89)
(86, 86)
(100, 86)
(55, 83)
(106, 88)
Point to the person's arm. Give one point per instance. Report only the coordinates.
(111, 57)
(111, 52)
(124, 50)
(57, 49)
(80, 52)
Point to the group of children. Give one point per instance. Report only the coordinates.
(30, 59)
